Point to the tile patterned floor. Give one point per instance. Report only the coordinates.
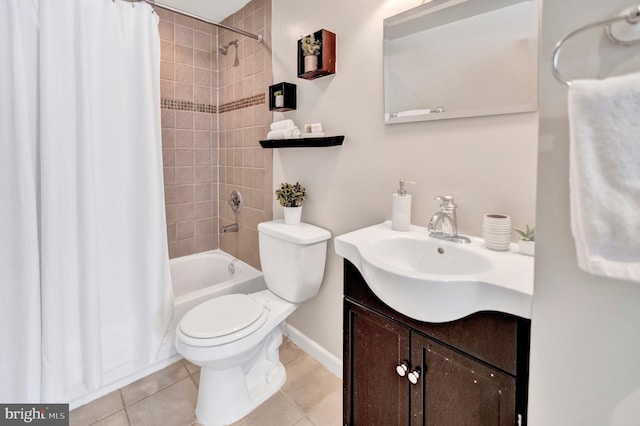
(312, 396)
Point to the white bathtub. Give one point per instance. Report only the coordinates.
(199, 277)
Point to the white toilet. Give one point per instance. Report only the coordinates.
(235, 338)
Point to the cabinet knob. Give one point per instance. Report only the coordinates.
(414, 376)
(402, 369)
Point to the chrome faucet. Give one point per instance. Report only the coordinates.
(444, 224)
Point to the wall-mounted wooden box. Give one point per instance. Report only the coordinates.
(326, 58)
(288, 102)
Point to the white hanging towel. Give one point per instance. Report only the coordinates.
(604, 119)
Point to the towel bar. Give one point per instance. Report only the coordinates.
(631, 15)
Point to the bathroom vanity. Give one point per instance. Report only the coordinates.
(403, 371)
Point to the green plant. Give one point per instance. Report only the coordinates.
(291, 195)
(310, 46)
(529, 234)
(277, 93)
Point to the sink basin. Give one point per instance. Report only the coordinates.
(412, 255)
(438, 281)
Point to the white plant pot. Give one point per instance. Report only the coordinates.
(310, 63)
(279, 101)
(527, 247)
(292, 215)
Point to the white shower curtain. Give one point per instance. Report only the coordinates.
(85, 292)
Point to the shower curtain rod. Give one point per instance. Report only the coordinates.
(257, 37)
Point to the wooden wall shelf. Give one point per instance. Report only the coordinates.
(326, 59)
(303, 142)
(289, 94)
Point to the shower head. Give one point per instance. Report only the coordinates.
(224, 48)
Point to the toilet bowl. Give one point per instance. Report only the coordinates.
(235, 338)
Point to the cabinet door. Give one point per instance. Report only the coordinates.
(375, 395)
(457, 390)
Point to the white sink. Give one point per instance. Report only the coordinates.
(438, 281)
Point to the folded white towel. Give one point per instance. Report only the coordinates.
(604, 118)
(283, 125)
(284, 134)
(279, 134)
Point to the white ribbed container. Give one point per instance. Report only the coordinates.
(496, 231)
(400, 212)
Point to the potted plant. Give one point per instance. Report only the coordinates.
(279, 98)
(311, 50)
(527, 242)
(291, 198)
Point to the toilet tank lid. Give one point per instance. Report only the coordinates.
(302, 233)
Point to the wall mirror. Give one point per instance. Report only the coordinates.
(461, 58)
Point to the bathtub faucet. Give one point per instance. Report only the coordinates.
(229, 228)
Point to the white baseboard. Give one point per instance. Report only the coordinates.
(323, 356)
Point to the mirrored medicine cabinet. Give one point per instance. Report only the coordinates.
(455, 58)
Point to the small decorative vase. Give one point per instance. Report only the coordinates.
(279, 101)
(496, 231)
(527, 247)
(292, 215)
(310, 63)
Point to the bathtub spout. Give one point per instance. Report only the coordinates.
(229, 228)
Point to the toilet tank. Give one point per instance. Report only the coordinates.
(293, 258)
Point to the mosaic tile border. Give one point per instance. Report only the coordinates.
(243, 103)
(178, 105)
(187, 106)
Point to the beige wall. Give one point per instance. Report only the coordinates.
(487, 163)
(584, 344)
(213, 114)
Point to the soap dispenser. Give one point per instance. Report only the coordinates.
(401, 208)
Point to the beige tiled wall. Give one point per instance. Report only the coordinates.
(213, 115)
(244, 165)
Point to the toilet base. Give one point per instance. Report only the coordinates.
(227, 395)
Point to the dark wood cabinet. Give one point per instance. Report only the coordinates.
(469, 372)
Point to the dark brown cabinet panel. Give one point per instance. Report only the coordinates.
(471, 372)
(458, 390)
(378, 393)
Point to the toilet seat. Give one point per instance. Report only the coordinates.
(223, 319)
